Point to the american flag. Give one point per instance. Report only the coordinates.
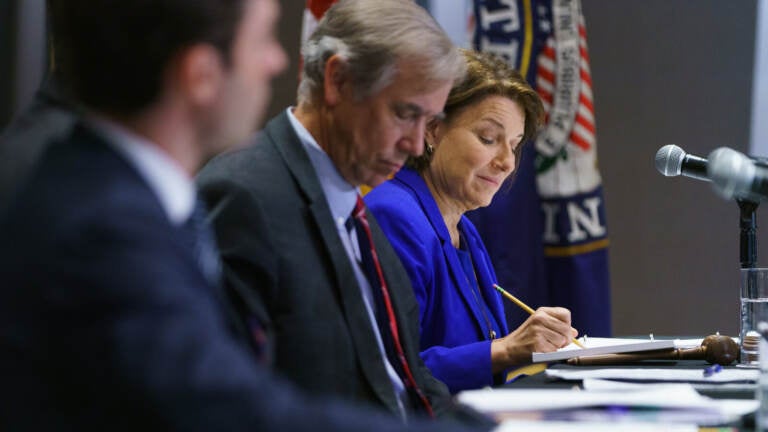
(583, 132)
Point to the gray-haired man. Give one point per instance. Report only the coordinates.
(375, 73)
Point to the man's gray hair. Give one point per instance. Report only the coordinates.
(372, 36)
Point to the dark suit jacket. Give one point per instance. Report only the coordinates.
(107, 323)
(277, 236)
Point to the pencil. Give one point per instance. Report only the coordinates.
(525, 307)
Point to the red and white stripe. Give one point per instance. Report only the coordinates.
(583, 132)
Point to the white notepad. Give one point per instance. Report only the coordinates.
(599, 346)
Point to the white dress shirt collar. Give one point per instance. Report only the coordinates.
(341, 195)
(174, 188)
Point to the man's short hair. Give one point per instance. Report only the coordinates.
(114, 52)
(372, 36)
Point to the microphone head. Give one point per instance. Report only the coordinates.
(731, 172)
(669, 160)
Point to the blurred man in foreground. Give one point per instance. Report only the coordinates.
(111, 314)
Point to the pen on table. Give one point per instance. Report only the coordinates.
(525, 307)
(711, 370)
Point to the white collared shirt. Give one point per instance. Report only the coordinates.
(171, 184)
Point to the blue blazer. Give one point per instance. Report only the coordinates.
(107, 322)
(454, 333)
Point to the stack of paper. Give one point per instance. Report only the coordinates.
(694, 375)
(678, 403)
(592, 426)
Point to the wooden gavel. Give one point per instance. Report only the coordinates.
(714, 349)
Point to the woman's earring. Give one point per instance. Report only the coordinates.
(430, 148)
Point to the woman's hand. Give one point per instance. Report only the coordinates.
(548, 329)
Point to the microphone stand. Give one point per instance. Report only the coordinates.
(747, 233)
(748, 245)
(748, 226)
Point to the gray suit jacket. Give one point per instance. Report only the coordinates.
(277, 236)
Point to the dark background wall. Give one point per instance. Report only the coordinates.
(289, 33)
(671, 71)
(664, 71)
(7, 41)
(23, 58)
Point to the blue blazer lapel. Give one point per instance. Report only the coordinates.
(413, 181)
(486, 277)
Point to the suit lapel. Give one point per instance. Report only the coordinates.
(462, 284)
(281, 134)
(400, 290)
(485, 276)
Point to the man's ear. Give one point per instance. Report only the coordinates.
(335, 82)
(198, 74)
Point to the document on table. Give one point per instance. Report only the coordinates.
(678, 403)
(600, 346)
(498, 400)
(592, 426)
(727, 375)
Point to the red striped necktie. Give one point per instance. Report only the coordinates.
(385, 315)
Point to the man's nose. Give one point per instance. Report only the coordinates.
(413, 140)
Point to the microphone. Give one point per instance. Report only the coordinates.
(735, 175)
(673, 161)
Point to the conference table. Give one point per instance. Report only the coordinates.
(743, 390)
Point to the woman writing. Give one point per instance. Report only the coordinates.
(469, 155)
